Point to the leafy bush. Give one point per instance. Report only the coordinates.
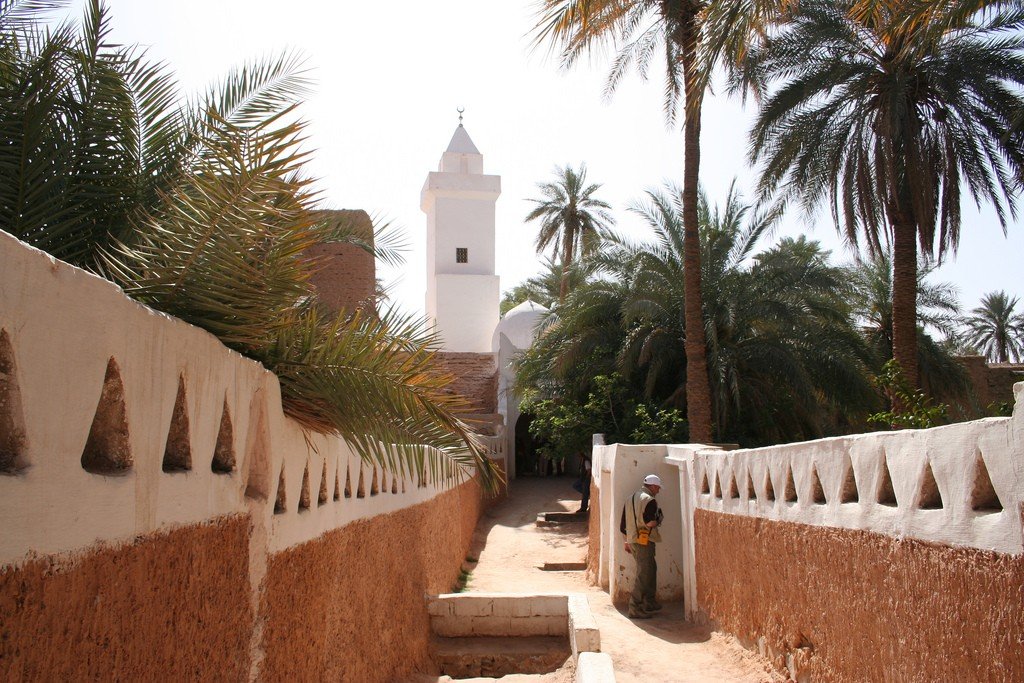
(909, 408)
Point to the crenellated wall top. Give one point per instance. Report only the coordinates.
(117, 420)
(961, 484)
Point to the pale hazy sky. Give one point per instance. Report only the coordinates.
(390, 75)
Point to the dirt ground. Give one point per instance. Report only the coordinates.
(511, 548)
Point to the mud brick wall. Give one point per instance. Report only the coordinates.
(161, 518)
(169, 606)
(850, 605)
(476, 378)
(594, 533)
(347, 278)
(991, 383)
(350, 605)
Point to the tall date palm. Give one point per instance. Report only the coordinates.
(671, 30)
(573, 220)
(889, 112)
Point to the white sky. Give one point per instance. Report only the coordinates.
(389, 76)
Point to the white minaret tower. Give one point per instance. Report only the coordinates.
(462, 289)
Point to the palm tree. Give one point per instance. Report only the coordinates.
(545, 287)
(890, 111)
(787, 361)
(573, 221)
(643, 27)
(783, 354)
(204, 212)
(938, 311)
(578, 342)
(996, 328)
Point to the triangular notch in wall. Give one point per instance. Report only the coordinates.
(817, 491)
(12, 418)
(849, 492)
(733, 489)
(718, 485)
(751, 493)
(769, 490)
(886, 494)
(348, 483)
(790, 492)
(337, 485)
(321, 498)
(224, 452)
(178, 449)
(257, 483)
(929, 497)
(304, 495)
(983, 494)
(107, 450)
(704, 486)
(281, 501)
(361, 488)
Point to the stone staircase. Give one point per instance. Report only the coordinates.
(497, 634)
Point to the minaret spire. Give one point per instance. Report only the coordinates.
(462, 291)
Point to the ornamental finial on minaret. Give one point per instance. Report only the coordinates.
(460, 110)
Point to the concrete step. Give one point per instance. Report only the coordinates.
(556, 518)
(563, 566)
(499, 656)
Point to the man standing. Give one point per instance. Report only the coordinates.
(641, 518)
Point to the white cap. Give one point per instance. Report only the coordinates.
(652, 480)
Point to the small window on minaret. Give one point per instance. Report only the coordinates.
(461, 255)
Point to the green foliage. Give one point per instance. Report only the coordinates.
(997, 328)
(573, 222)
(203, 210)
(893, 134)
(910, 408)
(938, 311)
(785, 358)
(890, 113)
(462, 583)
(658, 425)
(999, 409)
(564, 427)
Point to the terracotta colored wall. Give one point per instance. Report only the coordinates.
(349, 606)
(169, 606)
(476, 378)
(594, 534)
(858, 606)
(348, 274)
(991, 382)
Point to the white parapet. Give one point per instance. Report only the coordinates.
(119, 420)
(959, 485)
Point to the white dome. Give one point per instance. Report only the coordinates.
(519, 325)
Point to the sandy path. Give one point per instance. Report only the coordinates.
(511, 548)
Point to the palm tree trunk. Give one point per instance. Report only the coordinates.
(904, 295)
(567, 241)
(698, 391)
